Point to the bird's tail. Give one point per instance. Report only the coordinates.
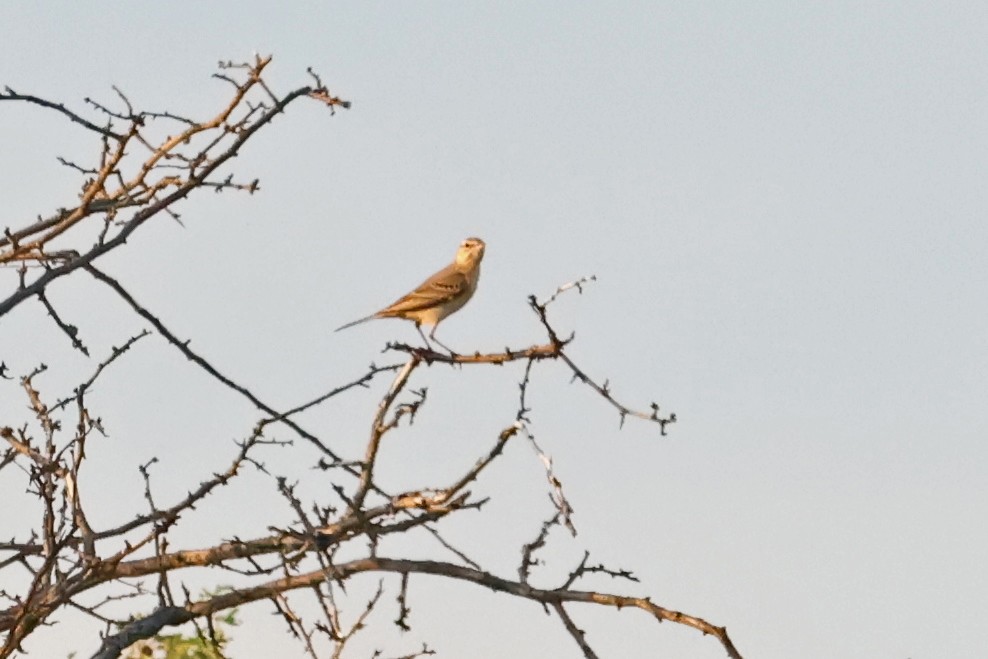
(357, 322)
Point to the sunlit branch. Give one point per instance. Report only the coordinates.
(172, 616)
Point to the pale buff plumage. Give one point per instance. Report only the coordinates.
(440, 295)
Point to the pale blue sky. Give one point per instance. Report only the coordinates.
(785, 206)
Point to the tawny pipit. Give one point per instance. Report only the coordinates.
(440, 295)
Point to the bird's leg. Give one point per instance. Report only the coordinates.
(418, 326)
(432, 335)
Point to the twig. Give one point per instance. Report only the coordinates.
(183, 347)
(528, 549)
(10, 95)
(70, 331)
(578, 635)
(379, 428)
(114, 354)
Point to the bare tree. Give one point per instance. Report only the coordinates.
(149, 161)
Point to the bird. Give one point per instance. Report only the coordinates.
(438, 296)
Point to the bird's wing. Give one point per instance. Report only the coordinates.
(442, 287)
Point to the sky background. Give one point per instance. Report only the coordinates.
(785, 206)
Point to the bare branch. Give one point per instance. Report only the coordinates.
(70, 331)
(183, 346)
(529, 549)
(379, 428)
(114, 355)
(10, 95)
(99, 198)
(174, 616)
(578, 635)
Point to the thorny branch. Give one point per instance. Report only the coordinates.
(69, 556)
(183, 346)
(173, 616)
(554, 349)
(198, 150)
(10, 95)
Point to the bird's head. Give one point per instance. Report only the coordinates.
(470, 253)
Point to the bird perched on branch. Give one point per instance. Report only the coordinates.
(440, 295)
